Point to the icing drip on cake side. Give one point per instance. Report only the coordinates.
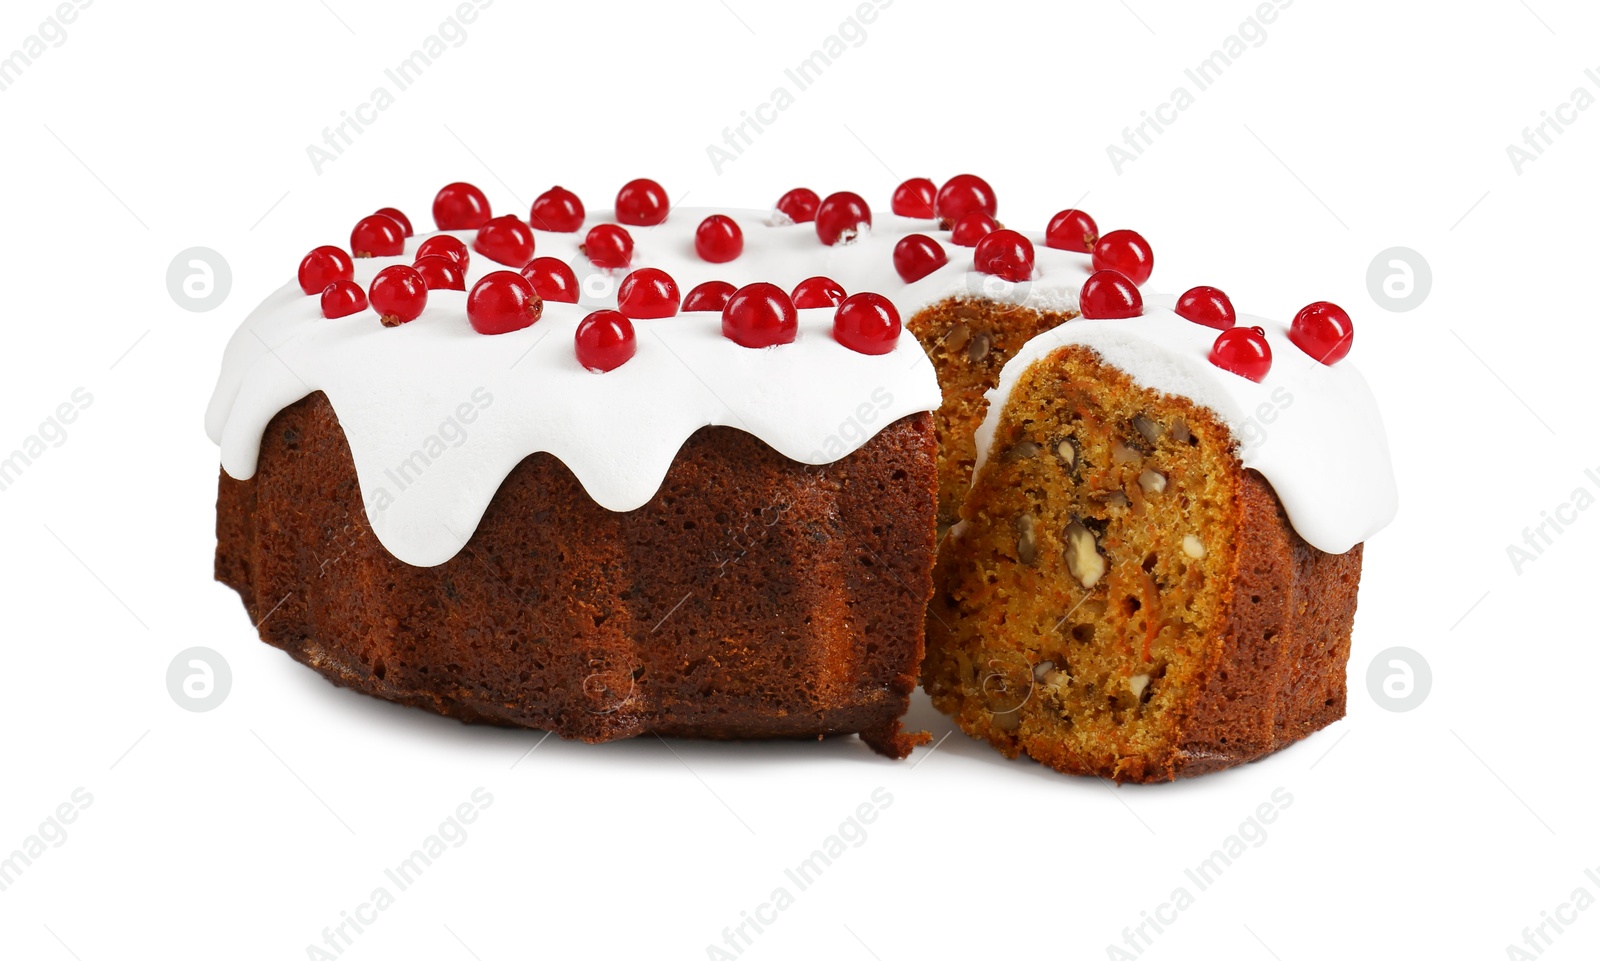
(437, 414)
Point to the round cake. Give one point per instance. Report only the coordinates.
(687, 472)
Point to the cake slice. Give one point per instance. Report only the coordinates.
(1126, 595)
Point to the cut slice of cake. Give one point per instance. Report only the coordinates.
(1126, 595)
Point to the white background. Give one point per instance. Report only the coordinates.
(243, 832)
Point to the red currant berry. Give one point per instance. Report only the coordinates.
(961, 195)
(605, 341)
(867, 323)
(1324, 331)
(711, 295)
(914, 198)
(718, 239)
(441, 273)
(648, 293)
(799, 205)
(916, 256)
(323, 266)
(1125, 252)
(1107, 295)
(1243, 351)
(558, 210)
(460, 206)
(398, 294)
(397, 217)
(1005, 254)
(378, 236)
(608, 245)
(817, 292)
(972, 228)
(760, 315)
(641, 203)
(447, 247)
(552, 280)
(1071, 230)
(501, 302)
(506, 240)
(841, 217)
(1207, 306)
(343, 298)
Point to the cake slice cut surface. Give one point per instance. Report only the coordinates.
(1125, 596)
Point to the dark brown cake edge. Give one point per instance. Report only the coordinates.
(841, 581)
(1280, 673)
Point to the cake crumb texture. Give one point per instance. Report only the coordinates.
(1124, 599)
(969, 341)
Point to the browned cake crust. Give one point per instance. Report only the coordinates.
(1170, 664)
(1278, 671)
(751, 597)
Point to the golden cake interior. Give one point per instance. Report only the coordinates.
(969, 341)
(1073, 622)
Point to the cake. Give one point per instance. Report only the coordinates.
(710, 505)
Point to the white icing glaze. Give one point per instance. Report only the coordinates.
(1312, 430)
(476, 405)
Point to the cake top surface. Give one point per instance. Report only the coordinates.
(437, 414)
(469, 371)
